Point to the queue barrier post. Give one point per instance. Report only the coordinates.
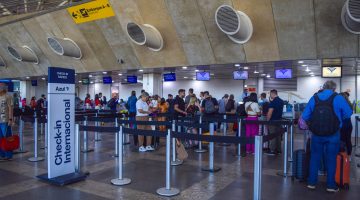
(86, 148)
(77, 148)
(36, 158)
(285, 152)
(211, 167)
(200, 149)
(291, 149)
(174, 161)
(116, 139)
(120, 180)
(238, 153)
(97, 136)
(224, 131)
(258, 167)
(357, 119)
(168, 191)
(127, 136)
(21, 137)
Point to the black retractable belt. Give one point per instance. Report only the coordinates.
(101, 129)
(144, 132)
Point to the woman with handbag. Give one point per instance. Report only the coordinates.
(6, 121)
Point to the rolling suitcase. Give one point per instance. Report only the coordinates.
(342, 176)
(301, 161)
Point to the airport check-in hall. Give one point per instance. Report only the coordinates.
(179, 99)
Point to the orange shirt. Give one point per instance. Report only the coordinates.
(163, 108)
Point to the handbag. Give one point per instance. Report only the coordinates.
(10, 143)
(181, 152)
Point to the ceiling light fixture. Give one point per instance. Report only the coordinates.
(246, 68)
(256, 72)
(312, 75)
(268, 76)
(113, 81)
(27, 77)
(237, 65)
(80, 81)
(91, 82)
(300, 61)
(307, 69)
(120, 74)
(104, 72)
(196, 70)
(212, 74)
(43, 78)
(185, 77)
(184, 67)
(90, 75)
(304, 65)
(245, 86)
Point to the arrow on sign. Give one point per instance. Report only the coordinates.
(74, 15)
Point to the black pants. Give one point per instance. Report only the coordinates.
(346, 131)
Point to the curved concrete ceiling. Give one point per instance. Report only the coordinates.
(283, 30)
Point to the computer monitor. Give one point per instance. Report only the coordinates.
(132, 79)
(240, 75)
(169, 77)
(202, 76)
(283, 73)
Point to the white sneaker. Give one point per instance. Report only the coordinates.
(142, 149)
(149, 148)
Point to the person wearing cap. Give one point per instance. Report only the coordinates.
(142, 114)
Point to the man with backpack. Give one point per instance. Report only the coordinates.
(324, 114)
(209, 105)
(112, 103)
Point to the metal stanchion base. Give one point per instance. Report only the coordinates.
(86, 151)
(176, 162)
(36, 159)
(20, 151)
(200, 150)
(285, 175)
(119, 182)
(224, 144)
(215, 169)
(168, 192)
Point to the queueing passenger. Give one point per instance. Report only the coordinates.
(6, 119)
(209, 106)
(87, 101)
(41, 105)
(244, 94)
(179, 105)
(230, 108)
(163, 108)
(275, 113)
(131, 104)
(347, 127)
(325, 141)
(142, 114)
(222, 104)
(97, 102)
(170, 101)
(188, 97)
(113, 102)
(253, 111)
(33, 103)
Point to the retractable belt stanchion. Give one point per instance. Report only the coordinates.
(175, 161)
(116, 139)
(357, 119)
(21, 137)
(238, 151)
(97, 137)
(120, 180)
(77, 148)
(285, 152)
(168, 190)
(258, 167)
(291, 148)
(86, 139)
(211, 167)
(35, 158)
(200, 149)
(224, 131)
(127, 136)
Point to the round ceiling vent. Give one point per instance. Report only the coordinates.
(350, 16)
(2, 62)
(236, 24)
(146, 35)
(65, 47)
(23, 54)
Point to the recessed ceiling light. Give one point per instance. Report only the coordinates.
(120, 74)
(245, 85)
(212, 74)
(237, 65)
(113, 81)
(27, 77)
(300, 61)
(104, 72)
(79, 81)
(185, 77)
(196, 70)
(304, 65)
(184, 67)
(307, 69)
(90, 75)
(312, 75)
(268, 76)
(43, 78)
(91, 82)
(256, 72)
(141, 70)
(263, 74)
(246, 67)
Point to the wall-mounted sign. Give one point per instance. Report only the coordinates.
(91, 11)
(331, 72)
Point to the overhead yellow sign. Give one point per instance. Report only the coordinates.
(91, 11)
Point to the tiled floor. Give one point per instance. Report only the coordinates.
(147, 171)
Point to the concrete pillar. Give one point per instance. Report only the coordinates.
(152, 83)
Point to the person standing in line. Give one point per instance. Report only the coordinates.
(132, 112)
(33, 103)
(253, 111)
(244, 94)
(163, 108)
(41, 105)
(275, 113)
(87, 101)
(113, 102)
(97, 102)
(170, 101)
(209, 105)
(222, 103)
(230, 108)
(179, 104)
(346, 129)
(188, 97)
(324, 114)
(6, 119)
(142, 114)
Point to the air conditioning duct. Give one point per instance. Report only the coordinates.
(146, 35)
(23, 54)
(235, 24)
(64, 47)
(2, 62)
(350, 16)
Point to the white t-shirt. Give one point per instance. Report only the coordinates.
(141, 105)
(254, 108)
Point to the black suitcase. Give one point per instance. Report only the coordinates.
(301, 162)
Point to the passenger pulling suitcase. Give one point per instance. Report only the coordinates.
(342, 176)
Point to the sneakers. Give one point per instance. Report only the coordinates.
(311, 187)
(332, 190)
(149, 148)
(142, 149)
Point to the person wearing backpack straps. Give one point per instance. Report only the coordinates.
(323, 114)
(209, 105)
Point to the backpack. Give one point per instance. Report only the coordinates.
(230, 105)
(323, 121)
(111, 103)
(209, 106)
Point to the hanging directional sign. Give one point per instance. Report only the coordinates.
(91, 11)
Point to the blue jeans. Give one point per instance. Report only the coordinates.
(329, 146)
(3, 126)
